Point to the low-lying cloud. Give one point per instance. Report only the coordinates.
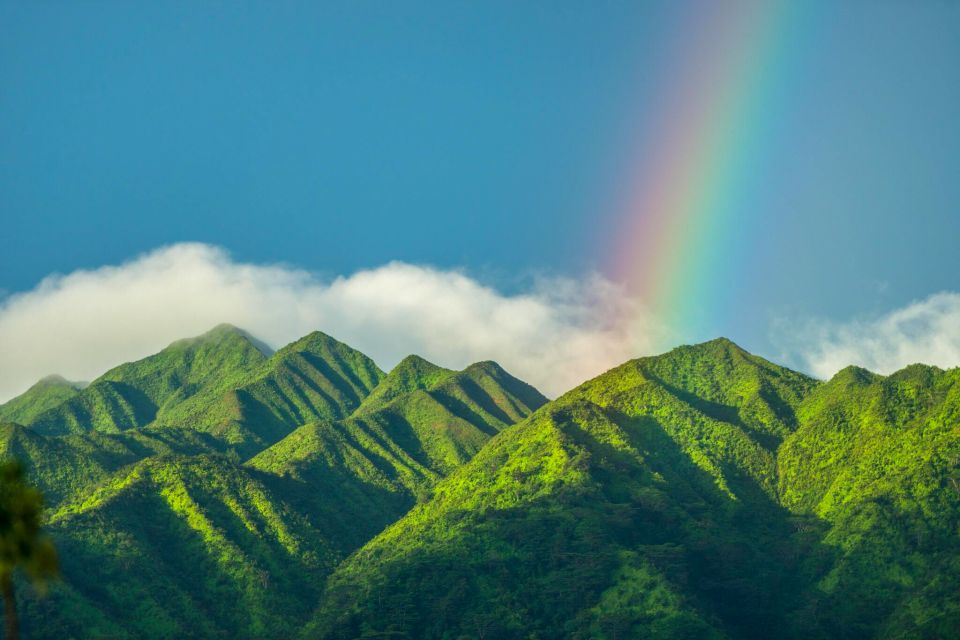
(926, 331)
(555, 335)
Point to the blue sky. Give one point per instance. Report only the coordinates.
(489, 137)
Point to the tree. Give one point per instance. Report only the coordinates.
(22, 545)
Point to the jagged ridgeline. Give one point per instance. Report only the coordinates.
(209, 489)
(705, 493)
(218, 489)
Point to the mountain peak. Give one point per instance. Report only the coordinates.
(410, 374)
(916, 373)
(45, 394)
(720, 351)
(415, 367)
(722, 341)
(316, 339)
(486, 366)
(135, 394)
(56, 380)
(224, 327)
(720, 344)
(227, 331)
(854, 374)
(414, 361)
(717, 378)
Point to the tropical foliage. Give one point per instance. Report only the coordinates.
(218, 489)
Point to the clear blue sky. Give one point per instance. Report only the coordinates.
(490, 136)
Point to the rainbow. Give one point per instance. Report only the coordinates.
(682, 230)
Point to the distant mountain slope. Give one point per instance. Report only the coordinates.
(45, 394)
(391, 453)
(134, 394)
(422, 419)
(483, 390)
(313, 378)
(217, 490)
(223, 382)
(702, 493)
(164, 536)
(606, 514)
(410, 374)
(66, 466)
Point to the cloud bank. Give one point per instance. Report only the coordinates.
(926, 331)
(555, 335)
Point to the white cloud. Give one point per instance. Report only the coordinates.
(925, 331)
(555, 335)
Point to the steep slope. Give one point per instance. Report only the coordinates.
(641, 504)
(225, 383)
(387, 458)
(703, 493)
(410, 374)
(487, 393)
(421, 421)
(654, 501)
(66, 466)
(879, 460)
(181, 547)
(316, 377)
(134, 394)
(162, 538)
(45, 394)
(726, 409)
(483, 392)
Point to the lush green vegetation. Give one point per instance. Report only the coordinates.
(46, 394)
(224, 382)
(703, 493)
(167, 530)
(878, 460)
(216, 489)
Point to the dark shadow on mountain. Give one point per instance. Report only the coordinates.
(345, 381)
(528, 571)
(167, 562)
(346, 510)
(483, 400)
(731, 414)
(462, 410)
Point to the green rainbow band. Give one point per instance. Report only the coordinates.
(681, 244)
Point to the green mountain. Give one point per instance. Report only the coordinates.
(135, 394)
(877, 460)
(412, 373)
(389, 455)
(313, 378)
(67, 466)
(259, 536)
(45, 394)
(218, 489)
(224, 382)
(703, 493)
(177, 546)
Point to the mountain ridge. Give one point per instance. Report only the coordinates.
(312, 468)
(666, 479)
(704, 492)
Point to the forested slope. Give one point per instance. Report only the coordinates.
(165, 529)
(220, 489)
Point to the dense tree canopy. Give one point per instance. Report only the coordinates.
(219, 489)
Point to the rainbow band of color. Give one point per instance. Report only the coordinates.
(684, 217)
